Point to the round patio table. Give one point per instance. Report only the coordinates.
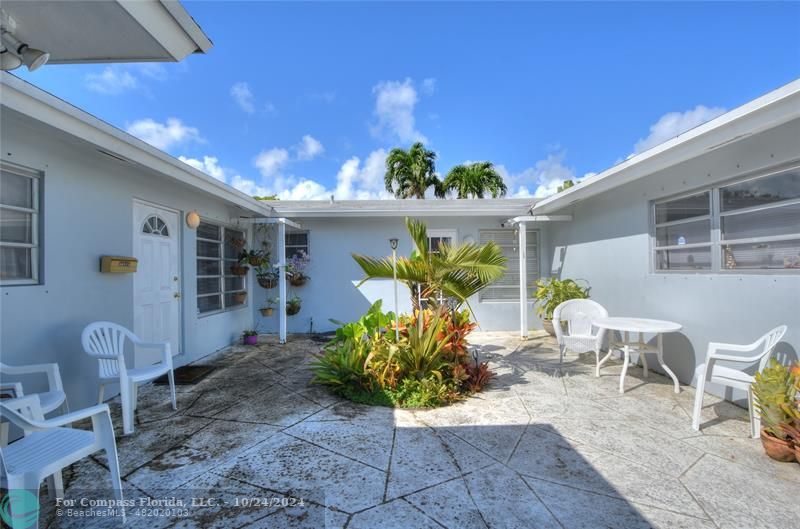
(642, 326)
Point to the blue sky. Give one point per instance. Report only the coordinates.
(305, 99)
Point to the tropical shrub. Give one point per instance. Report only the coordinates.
(429, 365)
(552, 292)
(775, 389)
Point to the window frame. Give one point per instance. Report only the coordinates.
(224, 266)
(717, 243)
(514, 263)
(37, 235)
(450, 233)
(306, 247)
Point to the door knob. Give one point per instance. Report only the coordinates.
(176, 295)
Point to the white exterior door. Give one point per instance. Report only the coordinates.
(156, 283)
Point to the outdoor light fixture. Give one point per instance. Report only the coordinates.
(393, 244)
(30, 57)
(9, 61)
(193, 220)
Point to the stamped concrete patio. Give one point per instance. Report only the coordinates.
(544, 446)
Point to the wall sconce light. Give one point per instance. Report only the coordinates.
(193, 220)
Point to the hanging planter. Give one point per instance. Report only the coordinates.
(293, 306)
(240, 297)
(266, 311)
(267, 281)
(239, 270)
(298, 280)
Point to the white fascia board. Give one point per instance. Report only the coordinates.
(43, 107)
(541, 218)
(766, 112)
(274, 220)
(170, 25)
(415, 212)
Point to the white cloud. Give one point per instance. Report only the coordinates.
(111, 81)
(674, 123)
(243, 96)
(429, 86)
(164, 135)
(153, 70)
(309, 148)
(249, 187)
(271, 162)
(394, 111)
(356, 181)
(209, 165)
(542, 179)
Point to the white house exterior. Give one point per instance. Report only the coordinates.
(76, 189)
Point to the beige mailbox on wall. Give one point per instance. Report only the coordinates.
(115, 264)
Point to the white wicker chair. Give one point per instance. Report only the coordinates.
(581, 336)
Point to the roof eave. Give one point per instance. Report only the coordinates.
(43, 107)
(769, 111)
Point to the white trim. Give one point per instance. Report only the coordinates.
(766, 112)
(523, 280)
(540, 218)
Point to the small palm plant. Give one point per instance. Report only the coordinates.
(456, 271)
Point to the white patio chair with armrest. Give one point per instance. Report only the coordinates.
(581, 336)
(48, 447)
(106, 341)
(50, 400)
(711, 371)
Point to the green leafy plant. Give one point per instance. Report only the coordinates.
(342, 364)
(374, 321)
(475, 180)
(409, 173)
(250, 332)
(424, 353)
(552, 292)
(293, 305)
(775, 398)
(457, 271)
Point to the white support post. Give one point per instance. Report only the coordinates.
(523, 280)
(282, 281)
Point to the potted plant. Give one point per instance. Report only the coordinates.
(775, 391)
(250, 337)
(293, 306)
(552, 292)
(240, 297)
(296, 268)
(240, 268)
(253, 257)
(266, 275)
(270, 308)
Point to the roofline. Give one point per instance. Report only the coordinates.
(44, 107)
(421, 208)
(768, 111)
(188, 24)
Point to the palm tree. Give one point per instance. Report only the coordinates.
(410, 173)
(474, 180)
(457, 271)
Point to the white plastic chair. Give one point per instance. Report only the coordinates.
(733, 377)
(581, 336)
(106, 342)
(48, 447)
(49, 400)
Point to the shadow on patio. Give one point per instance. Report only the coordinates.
(544, 446)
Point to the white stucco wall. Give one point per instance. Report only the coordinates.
(608, 245)
(87, 212)
(331, 293)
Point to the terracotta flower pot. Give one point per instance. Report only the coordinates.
(777, 449)
(239, 270)
(548, 326)
(266, 312)
(267, 281)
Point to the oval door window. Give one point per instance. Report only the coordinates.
(153, 225)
